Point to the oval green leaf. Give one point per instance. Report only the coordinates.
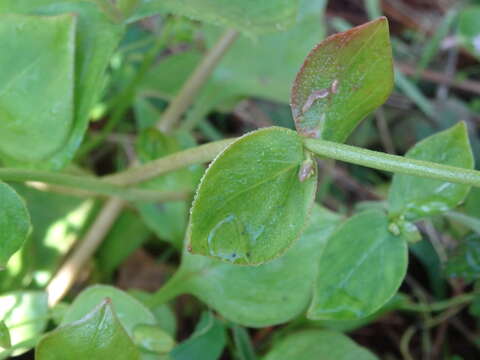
(318, 345)
(98, 335)
(36, 68)
(153, 339)
(130, 311)
(245, 70)
(414, 197)
(25, 314)
(163, 313)
(251, 205)
(249, 16)
(91, 56)
(169, 219)
(342, 80)
(53, 216)
(208, 339)
(14, 223)
(263, 295)
(361, 268)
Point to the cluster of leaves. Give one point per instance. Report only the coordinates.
(258, 249)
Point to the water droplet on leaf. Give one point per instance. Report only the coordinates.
(228, 240)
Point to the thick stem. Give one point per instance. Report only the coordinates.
(169, 291)
(187, 94)
(440, 305)
(29, 343)
(192, 156)
(393, 163)
(91, 184)
(64, 278)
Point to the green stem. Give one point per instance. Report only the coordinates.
(439, 305)
(91, 184)
(447, 314)
(27, 344)
(405, 342)
(187, 94)
(392, 163)
(192, 156)
(114, 185)
(169, 291)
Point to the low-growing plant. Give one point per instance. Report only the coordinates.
(257, 248)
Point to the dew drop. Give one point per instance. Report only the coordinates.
(228, 240)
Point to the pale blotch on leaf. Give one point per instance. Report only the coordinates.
(320, 94)
(226, 247)
(313, 98)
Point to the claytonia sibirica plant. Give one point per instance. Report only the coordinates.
(256, 246)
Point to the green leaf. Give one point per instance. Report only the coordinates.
(343, 79)
(251, 205)
(413, 197)
(53, 216)
(469, 29)
(249, 16)
(393, 304)
(93, 43)
(243, 344)
(473, 223)
(130, 311)
(168, 220)
(472, 204)
(5, 340)
(153, 339)
(58, 311)
(25, 314)
(127, 234)
(360, 269)
(428, 257)
(37, 69)
(245, 70)
(127, 7)
(163, 313)
(264, 295)
(98, 335)
(318, 345)
(14, 223)
(465, 262)
(209, 339)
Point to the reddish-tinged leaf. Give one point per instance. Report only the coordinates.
(343, 79)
